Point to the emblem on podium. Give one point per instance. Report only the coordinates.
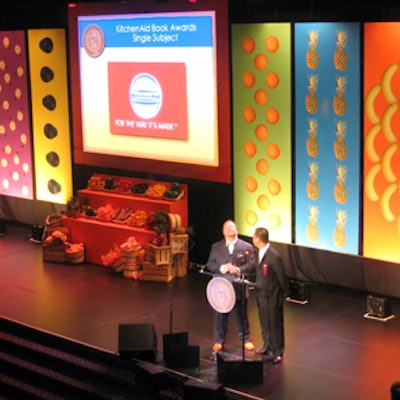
(220, 294)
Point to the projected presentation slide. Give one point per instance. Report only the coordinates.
(148, 86)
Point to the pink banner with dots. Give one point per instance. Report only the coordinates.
(15, 135)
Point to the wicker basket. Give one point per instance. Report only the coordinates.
(77, 257)
(54, 220)
(131, 258)
(118, 265)
(55, 254)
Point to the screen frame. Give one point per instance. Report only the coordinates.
(221, 173)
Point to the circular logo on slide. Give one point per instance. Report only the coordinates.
(145, 95)
(93, 40)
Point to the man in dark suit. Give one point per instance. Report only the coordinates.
(232, 256)
(271, 284)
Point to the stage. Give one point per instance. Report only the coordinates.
(332, 352)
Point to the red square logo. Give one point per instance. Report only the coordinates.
(148, 99)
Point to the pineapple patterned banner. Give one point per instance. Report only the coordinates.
(327, 132)
(262, 129)
(381, 142)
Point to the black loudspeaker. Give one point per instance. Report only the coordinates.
(137, 341)
(199, 390)
(37, 233)
(239, 372)
(151, 378)
(178, 353)
(299, 292)
(395, 391)
(378, 307)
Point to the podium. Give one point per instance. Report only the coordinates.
(222, 297)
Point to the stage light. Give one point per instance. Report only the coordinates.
(299, 292)
(378, 308)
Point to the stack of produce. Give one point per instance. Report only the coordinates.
(140, 189)
(159, 221)
(156, 191)
(105, 213)
(121, 215)
(124, 185)
(96, 182)
(90, 212)
(132, 255)
(76, 206)
(175, 192)
(113, 259)
(110, 184)
(137, 218)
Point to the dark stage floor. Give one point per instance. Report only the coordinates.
(332, 351)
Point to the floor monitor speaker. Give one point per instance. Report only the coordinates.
(239, 371)
(137, 341)
(194, 389)
(150, 377)
(178, 352)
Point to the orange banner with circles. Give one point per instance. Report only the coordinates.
(381, 141)
(262, 128)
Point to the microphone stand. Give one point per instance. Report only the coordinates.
(171, 307)
(244, 282)
(243, 316)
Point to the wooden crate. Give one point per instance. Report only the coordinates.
(179, 263)
(158, 255)
(179, 243)
(158, 273)
(55, 254)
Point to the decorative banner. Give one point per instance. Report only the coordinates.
(50, 115)
(262, 128)
(16, 177)
(327, 158)
(381, 141)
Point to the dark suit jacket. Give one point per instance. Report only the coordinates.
(243, 257)
(271, 278)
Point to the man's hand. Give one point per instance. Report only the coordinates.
(224, 269)
(234, 270)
